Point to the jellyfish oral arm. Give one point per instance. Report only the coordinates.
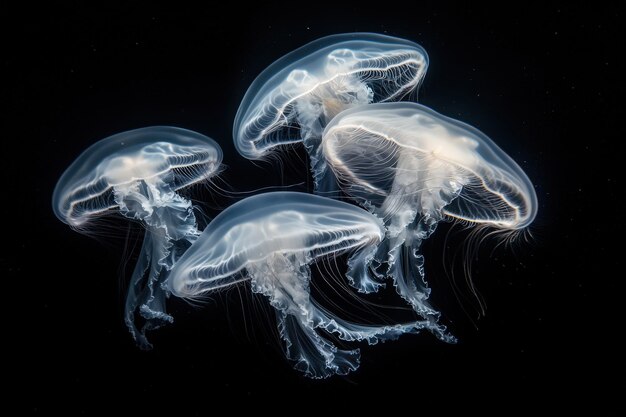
(155, 204)
(171, 227)
(285, 279)
(328, 99)
(359, 272)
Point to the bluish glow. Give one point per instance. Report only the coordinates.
(413, 167)
(137, 174)
(271, 240)
(293, 99)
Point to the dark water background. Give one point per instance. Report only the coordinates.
(546, 84)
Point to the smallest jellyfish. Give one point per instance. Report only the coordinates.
(271, 240)
(138, 174)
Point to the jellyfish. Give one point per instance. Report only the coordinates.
(413, 167)
(138, 174)
(294, 98)
(271, 240)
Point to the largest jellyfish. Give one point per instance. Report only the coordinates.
(270, 240)
(138, 174)
(414, 167)
(294, 99)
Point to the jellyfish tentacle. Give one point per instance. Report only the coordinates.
(324, 179)
(174, 230)
(285, 279)
(410, 283)
(135, 291)
(406, 269)
(316, 109)
(360, 274)
(271, 240)
(171, 228)
(314, 355)
(354, 332)
(408, 277)
(145, 295)
(413, 210)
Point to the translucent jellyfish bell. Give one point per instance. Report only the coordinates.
(137, 174)
(293, 99)
(271, 239)
(413, 166)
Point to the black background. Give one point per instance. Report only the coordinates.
(545, 83)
